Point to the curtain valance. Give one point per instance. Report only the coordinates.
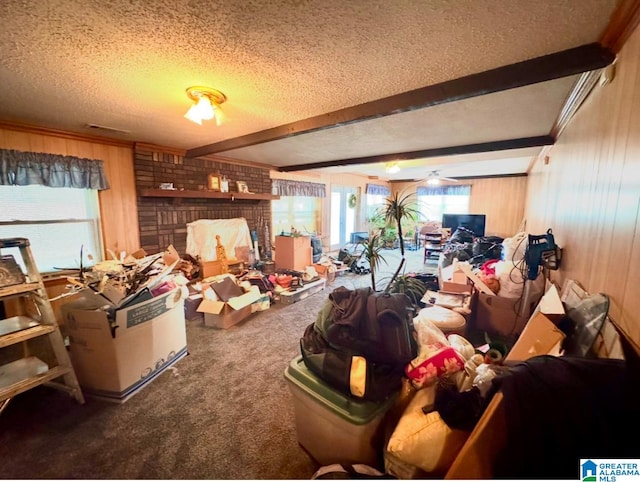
(376, 189)
(463, 190)
(19, 168)
(282, 187)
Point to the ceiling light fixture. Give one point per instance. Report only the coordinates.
(434, 181)
(392, 167)
(206, 101)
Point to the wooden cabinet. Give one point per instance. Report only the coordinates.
(293, 252)
(21, 370)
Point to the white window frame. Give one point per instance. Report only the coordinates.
(90, 254)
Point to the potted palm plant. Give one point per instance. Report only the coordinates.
(371, 252)
(397, 209)
(411, 286)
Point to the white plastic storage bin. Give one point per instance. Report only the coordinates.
(332, 427)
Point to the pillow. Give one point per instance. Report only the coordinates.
(423, 439)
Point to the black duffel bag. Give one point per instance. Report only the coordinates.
(348, 372)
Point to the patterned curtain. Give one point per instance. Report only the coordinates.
(19, 168)
(281, 187)
(463, 190)
(376, 189)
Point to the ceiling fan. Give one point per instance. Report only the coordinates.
(434, 178)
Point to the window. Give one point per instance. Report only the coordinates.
(374, 203)
(375, 199)
(433, 202)
(299, 206)
(301, 212)
(58, 222)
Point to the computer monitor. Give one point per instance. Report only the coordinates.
(359, 237)
(473, 222)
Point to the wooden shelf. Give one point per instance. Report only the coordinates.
(177, 195)
(28, 383)
(18, 289)
(26, 334)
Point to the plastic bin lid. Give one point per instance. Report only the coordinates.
(355, 411)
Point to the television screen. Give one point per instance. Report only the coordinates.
(473, 222)
(359, 237)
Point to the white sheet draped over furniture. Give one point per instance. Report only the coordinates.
(201, 237)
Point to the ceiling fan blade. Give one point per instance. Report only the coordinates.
(448, 179)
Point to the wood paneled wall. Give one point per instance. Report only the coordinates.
(501, 199)
(118, 207)
(589, 193)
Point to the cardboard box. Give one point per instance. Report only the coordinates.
(211, 268)
(551, 304)
(539, 337)
(191, 304)
(227, 317)
(220, 314)
(498, 316)
(459, 278)
(325, 271)
(115, 363)
(504, 317)
(451, 287)
(214, 268)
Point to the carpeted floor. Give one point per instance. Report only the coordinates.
(223, 412)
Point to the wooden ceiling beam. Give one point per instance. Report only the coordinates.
(548, 67)
(623, 23)
(520, 143)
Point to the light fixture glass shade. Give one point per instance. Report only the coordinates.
(201, 110)
(392, 167)
(206, 104)
(205, 109)
(193, 115)
(434, 181)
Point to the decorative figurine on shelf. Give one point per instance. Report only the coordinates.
(221, 255)
(224, 184)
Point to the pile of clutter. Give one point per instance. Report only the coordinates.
(130, 279)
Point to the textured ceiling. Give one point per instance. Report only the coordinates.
(125, 64)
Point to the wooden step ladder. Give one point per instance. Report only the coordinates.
(27, 371)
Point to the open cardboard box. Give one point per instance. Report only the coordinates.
(503, 317)
(224, 314)
(540, 337)
(459, 277)
(114, 358)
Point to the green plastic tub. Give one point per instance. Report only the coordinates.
(331, 426)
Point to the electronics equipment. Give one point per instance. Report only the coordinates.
(358, 237)
(473, 222)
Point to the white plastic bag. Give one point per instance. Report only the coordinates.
(513, 248)
(511, 278)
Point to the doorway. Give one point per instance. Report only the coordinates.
(343, 215)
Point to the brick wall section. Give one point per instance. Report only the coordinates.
(163, 222)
